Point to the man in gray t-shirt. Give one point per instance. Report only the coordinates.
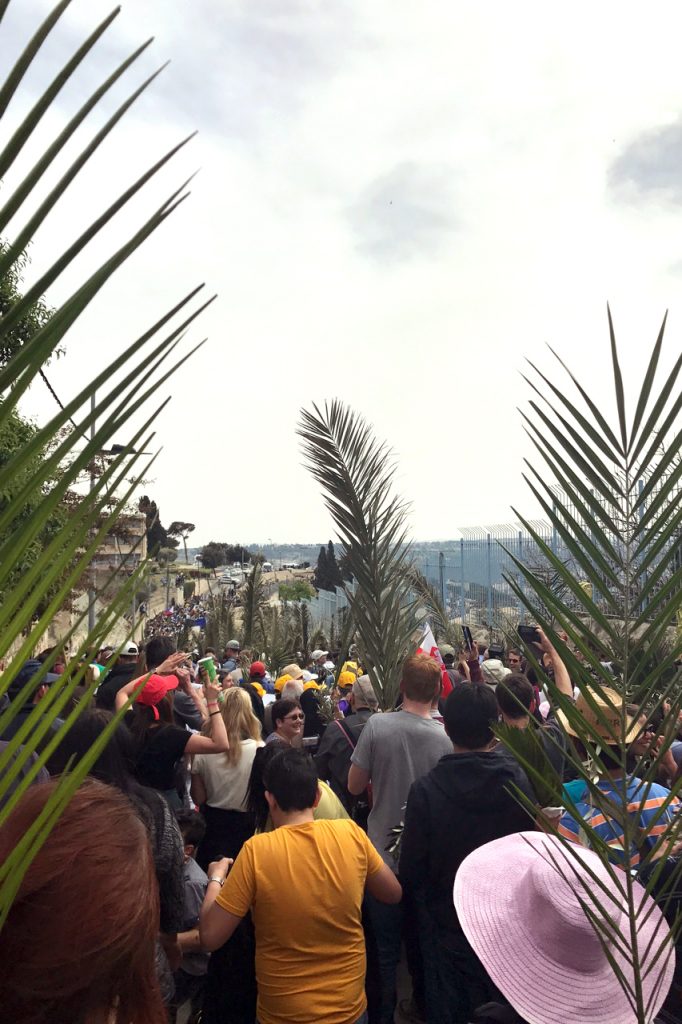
(394, 750)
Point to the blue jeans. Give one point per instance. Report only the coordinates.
(455, 981)
(386, 924)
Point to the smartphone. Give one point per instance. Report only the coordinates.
(529, 635)
(468, 639)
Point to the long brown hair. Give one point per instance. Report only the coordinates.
(78, 944)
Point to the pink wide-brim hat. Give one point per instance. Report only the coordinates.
(517, 900)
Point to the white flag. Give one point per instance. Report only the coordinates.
(428, 645)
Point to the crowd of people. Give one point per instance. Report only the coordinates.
(176, 619)
(255, 847)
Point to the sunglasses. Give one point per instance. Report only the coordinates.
(294, 718)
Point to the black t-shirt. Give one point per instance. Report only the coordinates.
(114, 681)
(163, 747)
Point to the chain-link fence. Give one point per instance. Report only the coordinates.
(468, 574)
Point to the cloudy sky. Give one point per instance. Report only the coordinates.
(397, 204)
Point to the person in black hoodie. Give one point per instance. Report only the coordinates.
(465, 801)
(125, 669)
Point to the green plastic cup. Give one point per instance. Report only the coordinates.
(209, 665)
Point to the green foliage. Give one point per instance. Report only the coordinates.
(327, 573)
(253, 602)
(299, 590)
(34, 318)
(51, 460)
(15, 433)
(444, 629)
(183, 530)
(220, 621)
(356, 474)
(527, 748)
(157, 536)
(612, 492)
(216, 553)
(279, 640)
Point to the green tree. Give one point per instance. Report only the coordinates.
(217, 553)
(321, 577)
(31, 322)
(157, 536)
(299, 590)
(333, 572)
(15, 434)
(212, 555)
(183, 530)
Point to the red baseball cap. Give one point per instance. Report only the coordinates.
(257, 668)
(155, 689)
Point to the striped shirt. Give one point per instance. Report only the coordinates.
(645, 808)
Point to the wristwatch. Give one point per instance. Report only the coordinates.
(220, 881)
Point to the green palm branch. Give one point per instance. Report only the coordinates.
(444, 629)
(253, 602)
(356, 474)
(220, 621)
(279, 638)
(613, 494)
(141, 371)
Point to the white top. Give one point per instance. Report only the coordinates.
(225, 783)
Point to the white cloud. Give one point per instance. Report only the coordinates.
(396, 204)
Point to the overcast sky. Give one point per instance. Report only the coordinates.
(397, 203)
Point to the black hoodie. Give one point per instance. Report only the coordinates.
(465, 801)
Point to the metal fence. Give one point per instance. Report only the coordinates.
(326, 606)
(469, 573)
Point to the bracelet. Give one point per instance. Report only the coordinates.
(212, 713)
(212, 703)
(220, 881)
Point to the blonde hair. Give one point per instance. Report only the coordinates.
(240, 722)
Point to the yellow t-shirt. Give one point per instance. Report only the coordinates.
(304, 884)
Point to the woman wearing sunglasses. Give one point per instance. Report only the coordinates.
(287, 723)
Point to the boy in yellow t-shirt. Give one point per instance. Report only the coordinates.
(304, 885)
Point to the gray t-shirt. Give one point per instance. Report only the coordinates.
(395, 749)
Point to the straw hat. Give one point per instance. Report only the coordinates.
(610, 709)
(293, 670)
(518, 902)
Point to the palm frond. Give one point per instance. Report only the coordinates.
(444, 628)
(253, 600)
(140, 371)
(616, 517)
(356, 474)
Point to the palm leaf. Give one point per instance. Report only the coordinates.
(618, 527)
(356, 474)
(144, 366)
